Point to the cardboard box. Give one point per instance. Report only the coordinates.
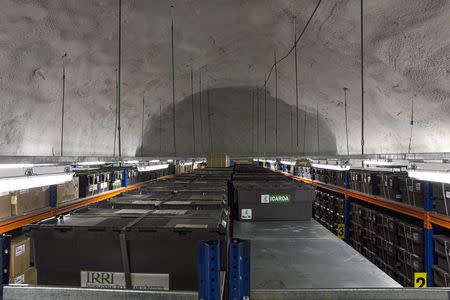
(27, 277)
(24, 201)
(5, 205)
(218, 161)
(68, 191)
(19, 256)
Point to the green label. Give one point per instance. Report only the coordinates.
(275, 198)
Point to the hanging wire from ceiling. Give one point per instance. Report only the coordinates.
(295, 44)
(411, 124)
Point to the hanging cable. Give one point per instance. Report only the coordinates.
(200, 107)
(115, 112)
(160, 128)
(253, 120)
(411, 125)
(276, 101)
(362, 78)
(318, 136)
(296, 74)
(346, 119)
(193, 111)
(265, 120)
(304, 133)
(209, 118)
(257, 120)
(142, 126)
(63, 102)
(173, 86)
(296, 42)
(119, 78)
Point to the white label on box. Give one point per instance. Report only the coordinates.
(144, 202)
(132, 211)
(418, 186)
(24, 191)
(224, 223)
(178, 202)
(19, 279)
(191, 226)
(447, 194)
(104, 185)
(246, 214)
(116, 280)
(265, 198)
(92, 188)
(170, 212)
(20, 250)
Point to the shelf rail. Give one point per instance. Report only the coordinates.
(45, 213)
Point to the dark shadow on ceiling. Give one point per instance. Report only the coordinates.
(234, 127)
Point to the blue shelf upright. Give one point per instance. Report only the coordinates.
(428, 234)
(239, 270)
(208, 265)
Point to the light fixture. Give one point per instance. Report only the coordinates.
(435, 176)
(131, 162)
(28, 182)
(15, 166)
(331, 167)
(90, 163)
(154, 161)
(285, 162)
(152, 167)
(377, 163)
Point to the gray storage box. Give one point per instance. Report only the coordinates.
(273, 201)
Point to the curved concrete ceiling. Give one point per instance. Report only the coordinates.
(231, 42)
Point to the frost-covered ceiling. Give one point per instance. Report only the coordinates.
(232, 42)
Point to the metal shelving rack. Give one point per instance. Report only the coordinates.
(42, 214)
(424, 214)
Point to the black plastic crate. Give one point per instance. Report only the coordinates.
(412, 192)
(89, 242)
(441, 198)
(441, 277)
(410, 238)
(257, 201)
(390, 185)
(370, 183)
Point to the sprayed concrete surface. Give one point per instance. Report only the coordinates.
(232, 43)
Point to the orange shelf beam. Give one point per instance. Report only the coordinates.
(20, 221)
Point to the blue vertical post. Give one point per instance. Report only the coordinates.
(239, 273)
(5, 243)
(125, 178)
(347, 207)
(208, 276)
(53, 195)
(428, 234)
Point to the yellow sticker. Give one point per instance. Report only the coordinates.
(420, 280)
(341, 231)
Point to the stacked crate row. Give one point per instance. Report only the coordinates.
(383, 183)
(152, 231)
(329, 210)
(394, 245)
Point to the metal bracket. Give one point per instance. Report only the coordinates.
(239, 270)
(209, 270)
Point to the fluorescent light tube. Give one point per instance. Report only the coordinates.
(285, 162)
(152, 167)
(154, 161)
(15, 166)
(131, 162)
(28, 182)
(90, 163)
(377, 163)
(435, 176)
(331, 167)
